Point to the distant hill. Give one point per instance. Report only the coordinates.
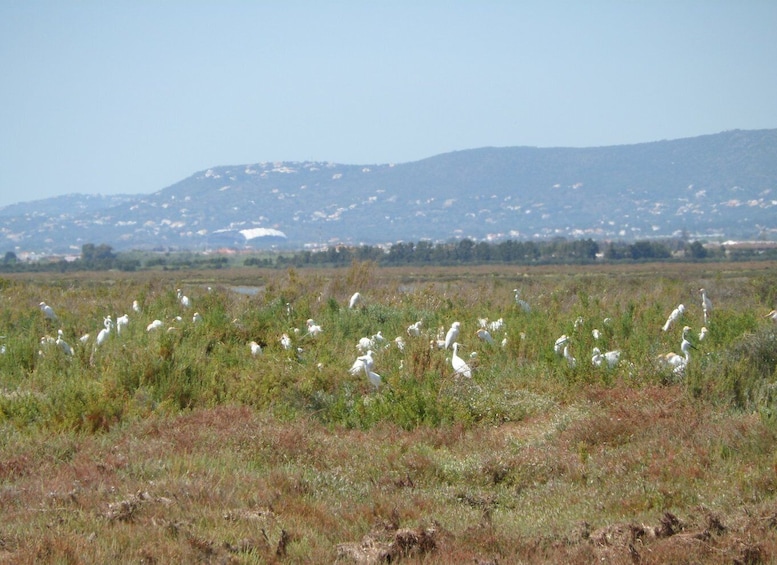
(721, 185)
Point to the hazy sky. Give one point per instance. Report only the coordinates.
(133, 96)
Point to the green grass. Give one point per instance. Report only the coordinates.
(179, 446)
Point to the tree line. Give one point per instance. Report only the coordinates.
(465, 251)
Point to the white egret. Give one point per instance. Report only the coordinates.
(676, 362)
(363, 361)
(485, 336)
(286, 341)
(496, 326)
(673, 317)
(571, 361)
(313, 328)
(610, 357)
(558, 347)
(48, 311)
(364, 344)
(596, 334)
(703, 333)
(452, 335)
(355, 299)
(121, 322)
(522, 304)
(63, 344)
(706, 305)
(197, 318)
(399, 342)
(460, 366)
(105, 332)
(183, 299)
(155, 325)
(84, 338)
(414, 330)
(256, 349)
(772, 316)
(373, 377)
(136, 306)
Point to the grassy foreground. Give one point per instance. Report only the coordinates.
(179, 446)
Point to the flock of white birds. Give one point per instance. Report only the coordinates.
(444, 340)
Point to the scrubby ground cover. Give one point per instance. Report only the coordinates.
(179, 445)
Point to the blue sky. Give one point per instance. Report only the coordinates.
(105, 97)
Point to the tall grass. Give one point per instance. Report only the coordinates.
(217, 454)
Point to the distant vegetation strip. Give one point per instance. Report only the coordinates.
(463, 252)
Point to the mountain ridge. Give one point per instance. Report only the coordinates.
(716, 185)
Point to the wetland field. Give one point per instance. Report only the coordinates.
(181, 442)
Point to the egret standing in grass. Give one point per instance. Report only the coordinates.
(105, 332)
(256, 349)
(772, 316)
(522, 304)
(460, 366)
(673, 317)
(452, 335)
(571, 361)
(610, 357)
(121, 322)
(63, 344)
(558, 346)
(183, 299)
(374, 378)
(48, 311)
(362, 362)
(676, 362)
(485, 336)
(706, 305)
(355, 299)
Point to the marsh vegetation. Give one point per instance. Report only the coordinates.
(181, 444)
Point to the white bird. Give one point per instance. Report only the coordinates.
(485, 336)
(571, 361)
(596, 333)
(414, 330)
(184, 300)
(496, 326)
(706, 305)
(121, 322)
(63, 344)
(673, 317)
(364, 344)
(136, 306)
(197, 318)
(772, 316)
(676, 362)
(48, 311)
(286, 341)
(256, 349)
(363, 361)
(703, 333)
(355, 299)
(460, 366)
(373, 377)
(313, 328)
(558, 347)
(522, 304)
(400, 342)
(452, 335)
(155, 325)
(610, 357)
(84, 338)
(105, 332)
